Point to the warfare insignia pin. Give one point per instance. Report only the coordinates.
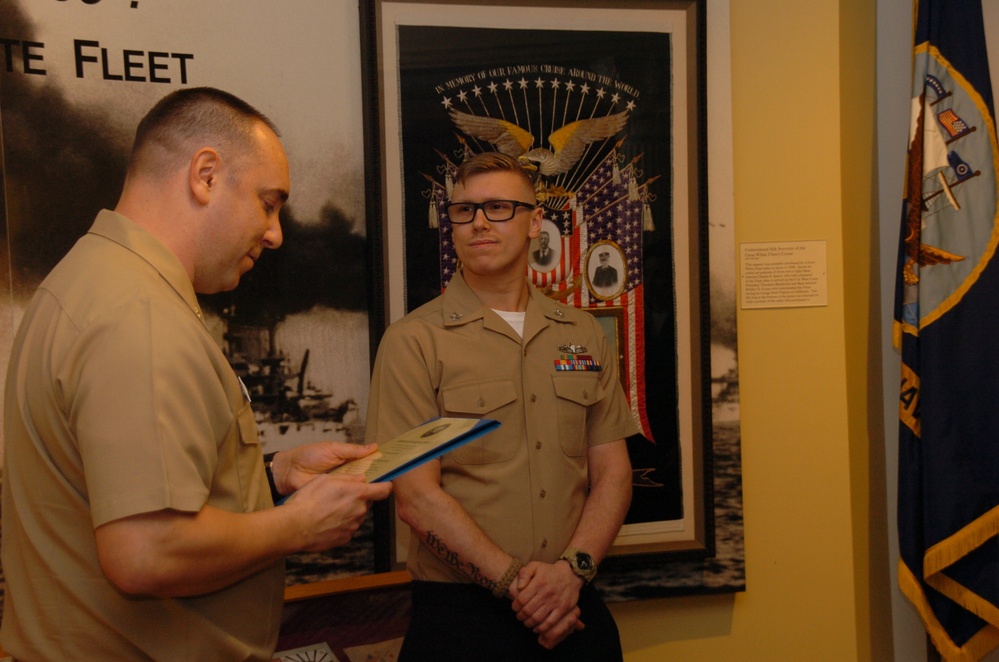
(572, 348)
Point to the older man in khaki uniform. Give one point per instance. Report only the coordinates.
(137, 519)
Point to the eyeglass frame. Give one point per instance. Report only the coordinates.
(480, 206)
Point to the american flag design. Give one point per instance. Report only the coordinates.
(608, 208)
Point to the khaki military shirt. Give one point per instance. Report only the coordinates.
(119, 402)
(525, 483)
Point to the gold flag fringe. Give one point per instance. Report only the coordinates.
(647, 223)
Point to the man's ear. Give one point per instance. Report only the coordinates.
(203, 175)
(537, 217)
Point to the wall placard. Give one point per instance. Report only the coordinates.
(783, 274)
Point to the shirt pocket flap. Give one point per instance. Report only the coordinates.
(583, 389)
(478, 398)
(248, 433)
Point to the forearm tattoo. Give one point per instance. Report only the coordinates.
(451, 557)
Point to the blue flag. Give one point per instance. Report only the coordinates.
(947, 328)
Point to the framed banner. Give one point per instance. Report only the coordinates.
(607, 102)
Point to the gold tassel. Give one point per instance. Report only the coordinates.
(434, 220)
(616, 171)
(647, 223)
(449, 185)
(632, 189)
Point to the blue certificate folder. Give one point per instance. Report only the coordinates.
(421, 444)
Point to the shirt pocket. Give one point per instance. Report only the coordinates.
(491, 399)
(249, 466)
(574, 393)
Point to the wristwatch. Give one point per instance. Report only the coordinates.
(581, 563)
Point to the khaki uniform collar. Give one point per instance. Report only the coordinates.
(125, 232)
(459, 306)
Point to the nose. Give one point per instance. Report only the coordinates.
(273, 237)
(479, 221)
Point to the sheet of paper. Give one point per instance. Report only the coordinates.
(426, 441)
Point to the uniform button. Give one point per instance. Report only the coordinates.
(537, 445)
(482, 403)
(544, 543)
(534, 397)
(542, 495)
(586, 395)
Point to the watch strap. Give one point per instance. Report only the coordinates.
(581, 563)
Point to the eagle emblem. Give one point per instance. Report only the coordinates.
(568, 142)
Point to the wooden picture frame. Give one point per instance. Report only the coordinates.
(429, 67)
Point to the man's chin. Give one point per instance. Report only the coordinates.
(215, 288)
(244, 268)
(233, 284)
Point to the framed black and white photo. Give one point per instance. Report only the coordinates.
(297, 329)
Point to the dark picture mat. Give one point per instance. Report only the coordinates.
(431, 55)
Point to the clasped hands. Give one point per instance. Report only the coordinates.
(546, 597)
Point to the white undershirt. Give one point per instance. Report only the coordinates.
(514, 319)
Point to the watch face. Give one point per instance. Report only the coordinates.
(584, 561)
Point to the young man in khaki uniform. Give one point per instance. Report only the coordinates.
(508, 530)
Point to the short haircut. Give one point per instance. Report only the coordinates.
(189, 119)
(486, 162)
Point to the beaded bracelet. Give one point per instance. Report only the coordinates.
(503, 585)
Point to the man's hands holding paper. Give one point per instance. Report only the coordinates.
(295, 467)
(171, 553)
(333, 506)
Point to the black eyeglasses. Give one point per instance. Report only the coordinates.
(496, 211)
